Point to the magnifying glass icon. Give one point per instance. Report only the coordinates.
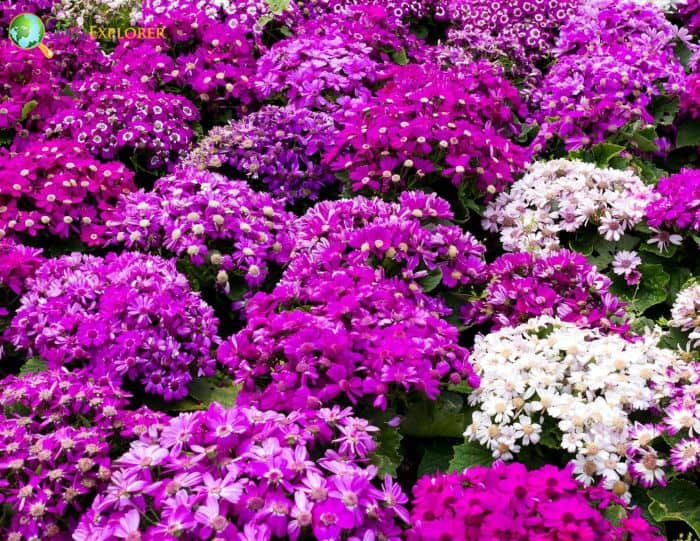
(27, 31)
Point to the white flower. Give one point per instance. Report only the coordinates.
(686, 312)
(565, 195)
(625, 262)
(581, 381)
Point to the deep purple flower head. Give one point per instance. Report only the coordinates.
(325, 74)
(210, 219)
(519, 33)
(429, 125)
(347, 335)
(150, 128)
(613, 58)
(510, 502)
(132, 317)
(17, 263)
(560, 284)
(276, 148)
(408, 239)
(677, 207)
(243, 473)
(56, 188)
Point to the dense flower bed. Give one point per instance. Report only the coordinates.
(358, 270)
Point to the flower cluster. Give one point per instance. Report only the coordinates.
(613, 58)
(344, 336)
(276, 147)
(429, 124)
(326, 74)
(17, 263)
(131, 317)
(58, 188)
(506, 501)
(676, 208)
(561, 284)
(30, 90)
(521, 33)
(247, 15)
(562, 197)
(210, 219)
(678, 425)
(56, 429)
(151, 128)
(242, 473)
(101, 12)
(406, 238)
(398, 12)
(685, 313)
(575, 386)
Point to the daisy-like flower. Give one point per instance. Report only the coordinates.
(663, 239)
(649, 469)
(685, 455)
(625, 262)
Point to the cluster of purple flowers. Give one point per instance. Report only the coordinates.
(57, 188)
(131, 317)
(30, 89)
(561, 284)
(210, 219)
(406, 239)
(613, 58)
(677, 207)
(152, 129)
(56, 429)
(247, 474)
(277, 147)
(510, 502)
(344, 336)
(427, 124)
(17, 263)
(322, 73)
(521, 33)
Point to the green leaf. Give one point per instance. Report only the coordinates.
(604, 152)
(679, 276)
(683, 53)
(206, 391)
(644, 140)
(278, 6)
(436, 457)
(665, 109)
(400, 57)
(640, 324)
(469, 454)
(650, 291)
(27, 109)
(432, 280)
(652, 288)
(387, 456)
(33, 365)
(688, 134)
(446, 417)
(677, 501)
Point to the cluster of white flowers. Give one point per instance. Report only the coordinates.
(663, 5)
(563, 196)
(576, 387)
(686, 312)
(100, 12)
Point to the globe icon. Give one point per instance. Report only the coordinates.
(27, 31)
